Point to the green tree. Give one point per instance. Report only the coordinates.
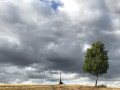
(96, 60)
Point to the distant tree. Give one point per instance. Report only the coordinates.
(96, 60)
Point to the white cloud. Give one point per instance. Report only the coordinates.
(70, 6)
(85, 47)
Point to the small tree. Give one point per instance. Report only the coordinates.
(96, 60)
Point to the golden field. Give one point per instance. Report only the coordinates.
(51, 87)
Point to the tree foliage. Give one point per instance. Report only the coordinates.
(96, 60)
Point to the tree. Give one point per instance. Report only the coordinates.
(96, 60)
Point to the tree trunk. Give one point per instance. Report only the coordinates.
(96, 80)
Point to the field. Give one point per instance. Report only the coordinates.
(51, 87)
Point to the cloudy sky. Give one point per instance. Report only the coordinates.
(38, 37)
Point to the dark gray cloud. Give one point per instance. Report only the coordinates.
(36, 41)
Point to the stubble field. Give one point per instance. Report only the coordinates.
(51, 87)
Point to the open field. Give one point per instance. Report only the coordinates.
(51, 87)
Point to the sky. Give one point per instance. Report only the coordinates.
(38, 37)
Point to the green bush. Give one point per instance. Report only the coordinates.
(101, 86)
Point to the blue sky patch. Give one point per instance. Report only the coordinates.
(54, 4)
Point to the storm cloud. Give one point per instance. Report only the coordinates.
(38, 37)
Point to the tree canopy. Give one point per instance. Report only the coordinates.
(96, 60)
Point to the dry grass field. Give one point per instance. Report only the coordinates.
(51, 87)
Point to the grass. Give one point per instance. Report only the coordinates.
(51, 87)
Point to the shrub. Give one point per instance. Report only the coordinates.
(101, 86)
